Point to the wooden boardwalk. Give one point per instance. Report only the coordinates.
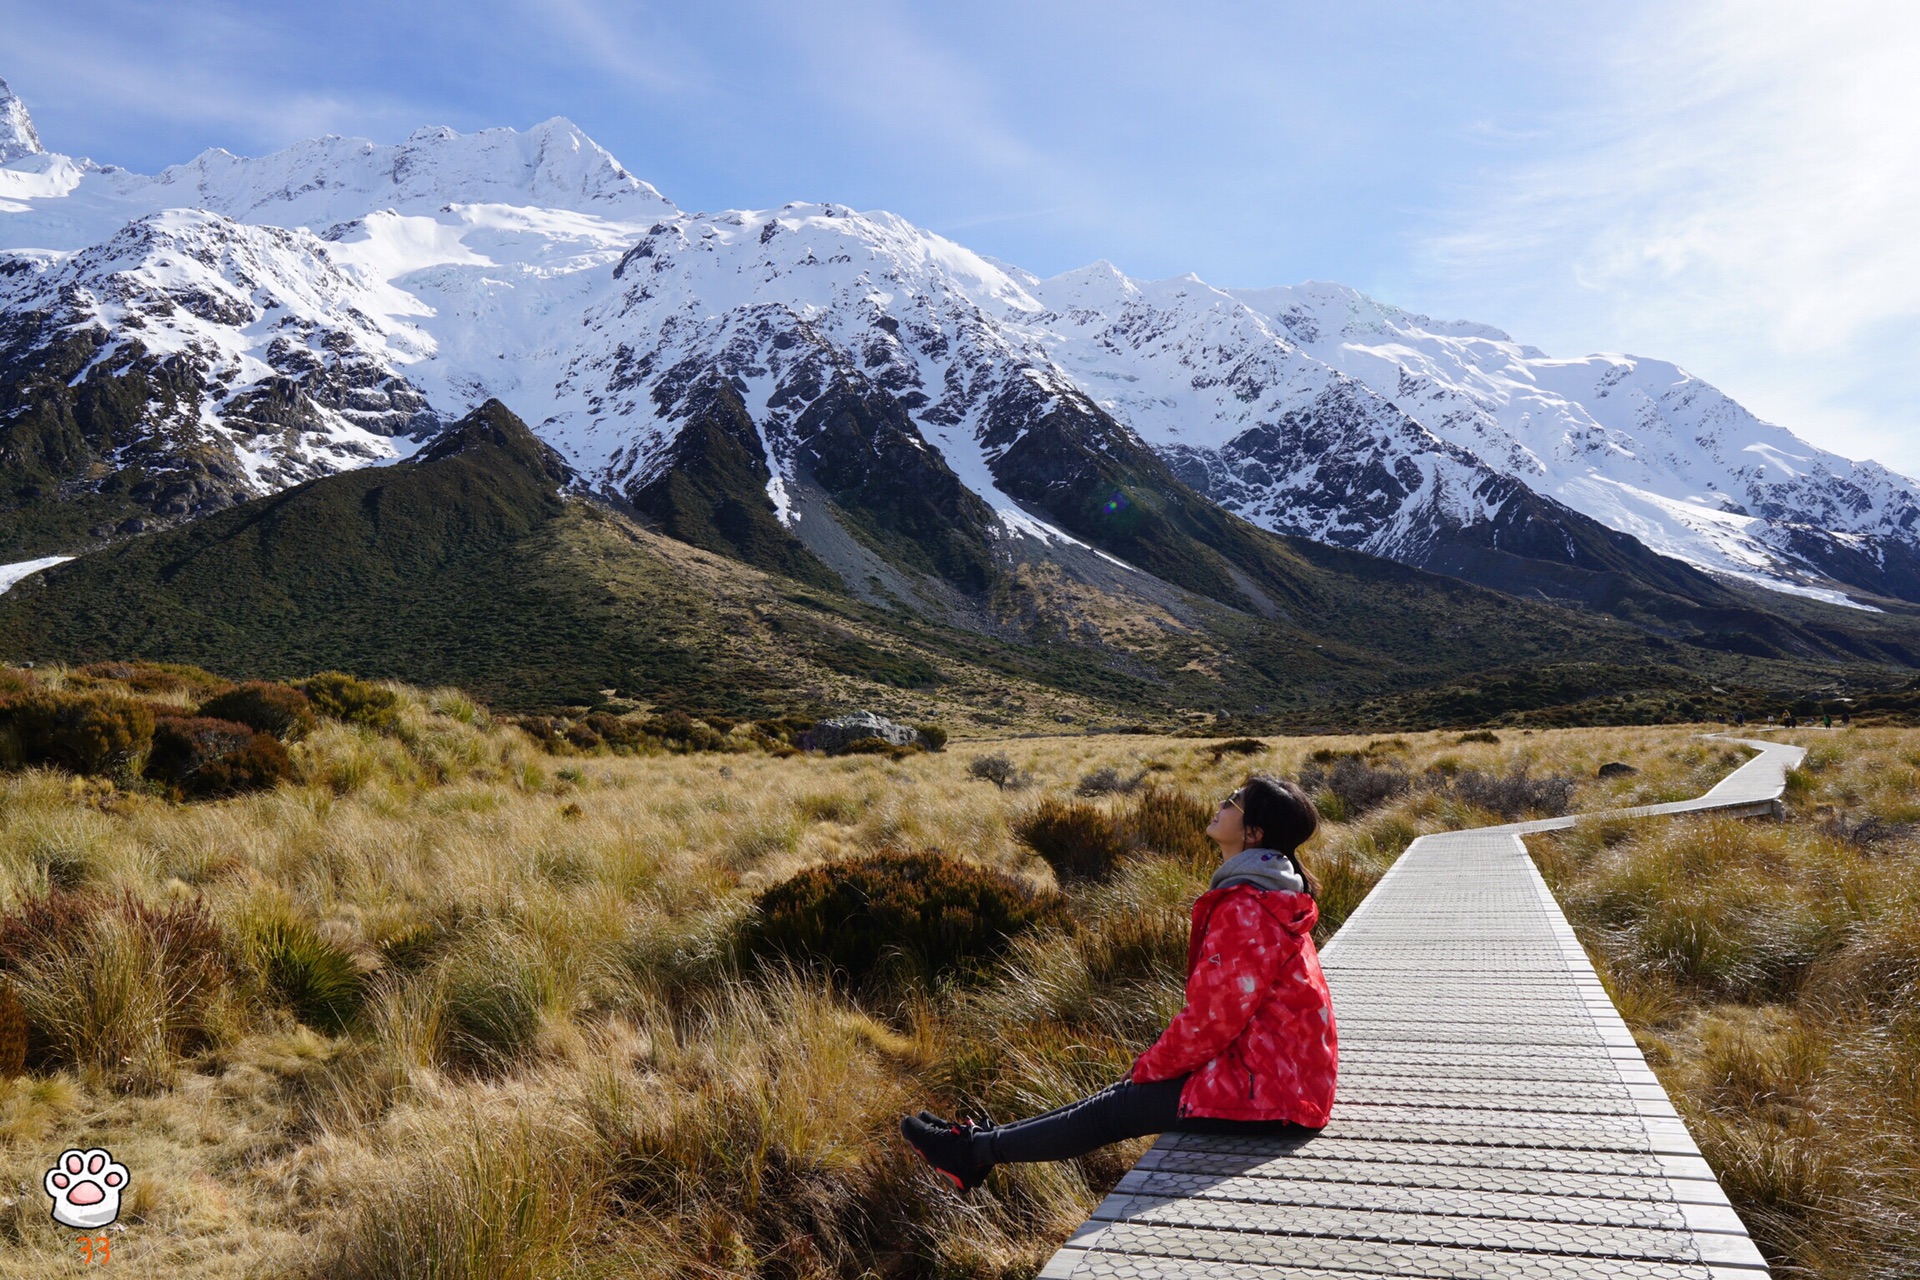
(1494, 1117)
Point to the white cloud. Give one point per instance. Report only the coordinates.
(1742, 194)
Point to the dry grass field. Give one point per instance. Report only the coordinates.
(1771, 971)
(443, 1004)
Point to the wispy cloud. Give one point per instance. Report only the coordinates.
(1741, 193)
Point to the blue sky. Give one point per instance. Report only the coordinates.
(1730, 184)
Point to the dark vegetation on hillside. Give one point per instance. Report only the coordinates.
(466, 566)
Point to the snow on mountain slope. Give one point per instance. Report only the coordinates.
(784, 303)
(380, 290)
(59, 204)
(1248, 418)
(1640, 445)
(239, 316)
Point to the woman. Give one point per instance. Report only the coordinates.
(1253, 1050)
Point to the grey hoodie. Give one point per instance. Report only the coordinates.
(1263, 868)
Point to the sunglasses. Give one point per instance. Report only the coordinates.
(1231, 800)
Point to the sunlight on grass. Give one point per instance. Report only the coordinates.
(486, 1011)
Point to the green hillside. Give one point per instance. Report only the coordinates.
(467, 565)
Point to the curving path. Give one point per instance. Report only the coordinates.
(1495, 1118)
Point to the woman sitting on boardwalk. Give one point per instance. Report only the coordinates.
(1254, 1048)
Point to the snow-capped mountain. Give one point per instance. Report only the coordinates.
(259, 321)
(17, 138)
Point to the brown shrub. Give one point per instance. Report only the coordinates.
(1109, 781)
(83, 732)
(278, 709)
(339, 696)
(1169, 821)
(1079, 841)
(1513, 796)
(13, 1032)
(112, 982)
(199, 757)
(1000, 770)
(1346, 786)
(892, 915)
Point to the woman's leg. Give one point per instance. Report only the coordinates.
(1119, 1111)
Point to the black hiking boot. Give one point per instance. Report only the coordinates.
(946, 1146)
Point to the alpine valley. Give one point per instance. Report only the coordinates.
(489, 409)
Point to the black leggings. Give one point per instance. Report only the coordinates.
(1119, 1111)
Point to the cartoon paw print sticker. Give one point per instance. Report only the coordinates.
(86, 1187)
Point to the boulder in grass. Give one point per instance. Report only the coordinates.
(838, 734)
(1616, 769)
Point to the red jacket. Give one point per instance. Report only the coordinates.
(1257, 1032)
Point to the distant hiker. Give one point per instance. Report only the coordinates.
(1826, 720)
(1253, 1051)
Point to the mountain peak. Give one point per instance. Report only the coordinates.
(17, 138)
(495, 427)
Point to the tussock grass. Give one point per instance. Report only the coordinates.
(1772, 973)
(488, 1014)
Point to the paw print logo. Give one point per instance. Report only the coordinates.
(86, 1187)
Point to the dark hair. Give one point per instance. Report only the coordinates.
(1284, 816)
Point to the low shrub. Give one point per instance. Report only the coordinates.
(1236, 747)
(202, 758)
(278, 709)
(1000, 770)
(1168, 821)
(113, 983)
(1513, 796)
(1479, 735)
(1079, 841)
(82, 732)
(1345, 786)
(1109, 781)
(681, 732)
(876, 747)
(932, 737)
(620, 733)
(339, 696)
(785, 730)
(892, 916)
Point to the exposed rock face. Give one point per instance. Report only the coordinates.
(833, 736)
(17, 138)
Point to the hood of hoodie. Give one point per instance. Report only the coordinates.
(1262, 868)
